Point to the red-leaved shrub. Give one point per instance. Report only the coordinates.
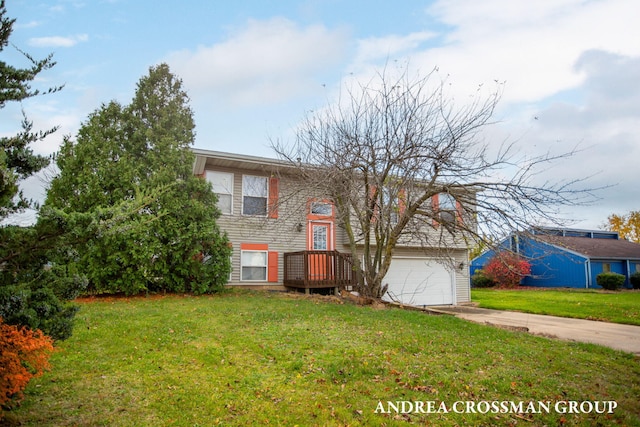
(506, 269)
(24, 354)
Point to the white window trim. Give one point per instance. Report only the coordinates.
(266, 197)
(266, 266)
(232, 185)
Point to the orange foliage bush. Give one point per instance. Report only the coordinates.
(24, 354)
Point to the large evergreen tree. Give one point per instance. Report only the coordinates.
(17, 160)
(172, 242)
(29, 293)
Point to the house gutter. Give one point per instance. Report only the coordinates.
(587, 265)
(242, 158)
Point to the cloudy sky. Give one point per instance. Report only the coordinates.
(253, 68)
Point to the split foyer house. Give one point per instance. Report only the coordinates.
(284, 238)
(562, 257)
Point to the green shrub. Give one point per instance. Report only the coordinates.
(610, 281)
(635, 280)
(37, 308)
(480, 280)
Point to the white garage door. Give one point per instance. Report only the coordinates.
(419, 281)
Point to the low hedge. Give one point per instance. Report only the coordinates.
(610, 281)
(480, 280)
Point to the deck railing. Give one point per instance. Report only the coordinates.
(318, 269)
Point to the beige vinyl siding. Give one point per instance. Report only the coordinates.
(280, 234)
(433, 237)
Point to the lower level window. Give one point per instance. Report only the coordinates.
(253, 266)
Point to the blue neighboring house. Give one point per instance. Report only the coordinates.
(569, 257)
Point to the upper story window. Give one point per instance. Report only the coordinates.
(255, 192)
(447, 207)
(390, 204)
(222, 183)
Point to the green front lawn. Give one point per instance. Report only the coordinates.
(616, 307)
(250, 358)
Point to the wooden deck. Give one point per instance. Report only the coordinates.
(318, 270)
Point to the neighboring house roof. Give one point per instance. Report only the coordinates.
(595, 248)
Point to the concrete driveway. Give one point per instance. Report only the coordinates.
(616, 336)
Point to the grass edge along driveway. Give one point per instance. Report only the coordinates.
(252, 358)
(616, 307)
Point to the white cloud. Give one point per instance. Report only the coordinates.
(382, 48)
(531, 45)
(30, 24)
(58, 41)
(264, 62)
(572, 64)
(604, 122)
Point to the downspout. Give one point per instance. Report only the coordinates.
(587, 266)
(628, 273)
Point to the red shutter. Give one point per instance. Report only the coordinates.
(402, 202)
(272, 267)
(459, 212)
(435, 206)
(273, 198)
(373, 199)
(254, 246)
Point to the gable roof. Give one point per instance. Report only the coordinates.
(264, 164)
(595, 248)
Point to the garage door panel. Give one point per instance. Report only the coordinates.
(419, 281)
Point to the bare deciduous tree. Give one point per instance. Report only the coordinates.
(390, 146)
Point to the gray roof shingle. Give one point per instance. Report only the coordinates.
(596, 248)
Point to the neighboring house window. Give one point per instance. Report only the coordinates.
(321, 208)
(253, 265)
(606, 267)
(222, 183)
(254, 195)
